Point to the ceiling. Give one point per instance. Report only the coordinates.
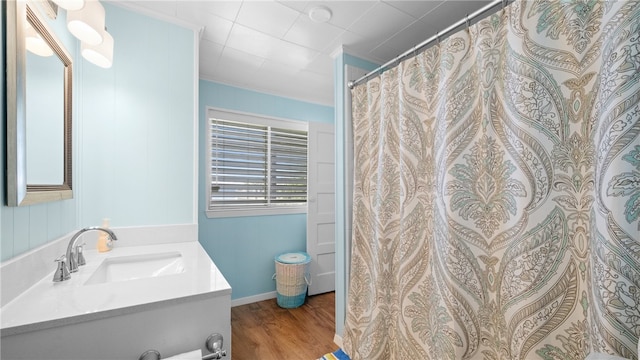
(274, 46)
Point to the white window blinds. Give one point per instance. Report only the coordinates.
(256, 165)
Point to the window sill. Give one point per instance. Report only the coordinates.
(222, 213)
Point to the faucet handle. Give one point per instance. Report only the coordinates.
(214, 344)
(109, 241)
(62, 271)
(79, 254)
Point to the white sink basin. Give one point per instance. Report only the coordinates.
(172, 285)
(125, 268)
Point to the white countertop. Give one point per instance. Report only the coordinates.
(47, 304)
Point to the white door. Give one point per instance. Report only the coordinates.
(321, 219)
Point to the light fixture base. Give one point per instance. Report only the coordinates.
(320, 14)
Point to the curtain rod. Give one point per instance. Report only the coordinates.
(438, 36)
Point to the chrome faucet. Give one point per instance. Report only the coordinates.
(74, 253)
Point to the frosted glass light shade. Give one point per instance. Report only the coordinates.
(35, 43)
(70, 4)
(87, 24)
(101, 54)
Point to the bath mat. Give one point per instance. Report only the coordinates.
(337, 355)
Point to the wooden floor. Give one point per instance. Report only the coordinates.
(265, 331)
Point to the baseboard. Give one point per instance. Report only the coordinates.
(254, 298)
(337, 339)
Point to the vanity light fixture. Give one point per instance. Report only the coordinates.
(101, 54)
(35, 43)
(320, 14)
(71, 5)
(87, 24)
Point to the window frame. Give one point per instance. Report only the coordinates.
(234, 211)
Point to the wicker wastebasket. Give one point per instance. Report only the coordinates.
(292, 278)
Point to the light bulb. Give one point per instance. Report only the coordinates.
(87, 24)
(35, 43)
(101, 54)
(70, 4)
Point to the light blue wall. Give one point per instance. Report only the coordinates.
(134, 136)
(137, 136)
(341, 248)
(244, 247)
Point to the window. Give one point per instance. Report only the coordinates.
(256, 165)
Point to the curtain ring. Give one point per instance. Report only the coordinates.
(504, 4)
(438, 37)
(468, 22)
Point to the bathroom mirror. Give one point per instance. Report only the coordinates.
(38, 94)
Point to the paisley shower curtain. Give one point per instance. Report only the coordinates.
(497, 191)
